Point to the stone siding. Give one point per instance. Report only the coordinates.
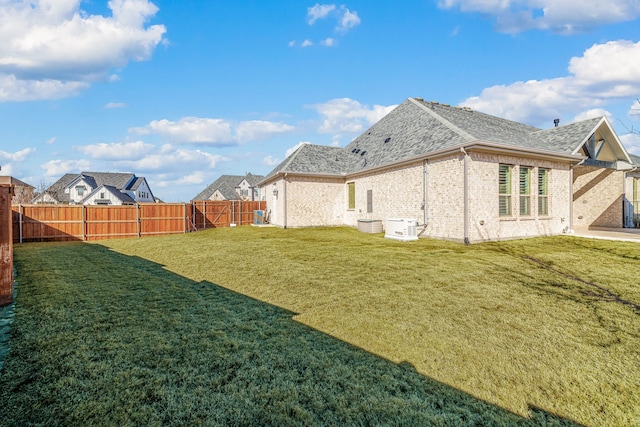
(598, 196)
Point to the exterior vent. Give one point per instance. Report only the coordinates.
(401, 229)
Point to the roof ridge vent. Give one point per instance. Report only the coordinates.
(417, 98)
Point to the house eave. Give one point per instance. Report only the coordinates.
(478, 146)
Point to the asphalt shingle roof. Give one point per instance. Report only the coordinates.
(416, 128)
(96, 179)
(226, 185)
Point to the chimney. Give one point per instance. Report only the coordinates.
(556, 121)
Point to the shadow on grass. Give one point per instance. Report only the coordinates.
(104, 338)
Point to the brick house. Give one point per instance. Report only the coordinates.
(463, 175)
(232, 187)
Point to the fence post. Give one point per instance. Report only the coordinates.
(184, 213)
(6, 245)
(84, 223)
(20, 213)
(138, 220)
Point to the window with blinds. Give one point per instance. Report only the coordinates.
(525, 190)
(543, 191)
(504, 190)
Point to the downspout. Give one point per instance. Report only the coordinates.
(284, 209)
(425, 194)
(466, 196)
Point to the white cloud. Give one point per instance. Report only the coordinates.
(592, 113)
(307, 43)
(270, 161)
(171, 159)
(51, 141)
(292, 43)
(17, 156)
(291, 150)
(257, 130)
(190, 130)
(194, 178)
(60, 167)
(631, 142)
(560, 16)
(48, 47)
(117, 151)
(328, 42)
(348, 115)
(111, 105)
(349, 20)
(603, 73)
(14, 89)
(319, 11)
(221, 132)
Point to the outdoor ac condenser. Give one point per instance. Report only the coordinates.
(401, 229)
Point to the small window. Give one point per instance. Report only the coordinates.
(102, 195)
(504, 185)
(80, 189)
(352, 195)
(543, 192)
(525, 191)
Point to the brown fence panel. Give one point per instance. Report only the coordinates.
(243, 211)
(211, 214)
(74, 222)
(223, 213)
(111, 222)
(165, 218)
(39, 223)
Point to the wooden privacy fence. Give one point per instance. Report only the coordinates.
(91, 222)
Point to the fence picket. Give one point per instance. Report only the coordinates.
(78, 222)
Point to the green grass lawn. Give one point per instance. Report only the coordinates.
(248, 326)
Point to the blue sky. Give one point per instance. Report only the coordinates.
(182, 91)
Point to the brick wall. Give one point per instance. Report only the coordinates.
(598, 196)
(485, 223)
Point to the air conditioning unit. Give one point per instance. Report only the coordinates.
(258, 217)
(401, 229)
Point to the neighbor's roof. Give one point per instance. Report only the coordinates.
(226, 185)
(120, 181)
(14, 181)
(418, 128)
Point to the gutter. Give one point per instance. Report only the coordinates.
(475, 145)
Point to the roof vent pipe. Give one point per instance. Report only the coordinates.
(556, 121)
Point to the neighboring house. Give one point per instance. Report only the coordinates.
(98, 188)
(232, 187)
(22, 192)
(463, 175)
